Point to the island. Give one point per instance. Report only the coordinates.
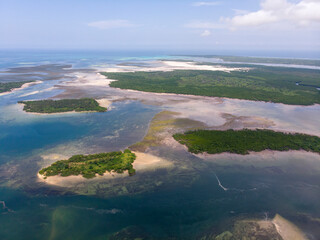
(90, 165)
(268, 60)
(260, 83)
(243, 141)
(9, 86)
(64, 105)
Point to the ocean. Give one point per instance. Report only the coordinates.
(185, 202)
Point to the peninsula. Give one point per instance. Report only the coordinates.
(9, 86)
(260, 83)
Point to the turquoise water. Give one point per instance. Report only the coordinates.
(185, 202)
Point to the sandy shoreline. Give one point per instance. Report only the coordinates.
(270, 154)
(104, 102)
(287, 230)
(143, 162)
(25, 85)
(167, 66)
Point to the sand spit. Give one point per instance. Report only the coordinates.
(36, 92)
(81, 79)
(276, 228)
(104, 102)
(147, 162)
(287, 230)
(144, 162)
(26, 85)
(166, 66)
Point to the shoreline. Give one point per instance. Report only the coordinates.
(251, 153)
(287, 230)
(217, 98)
(25, 85)
(169, 66)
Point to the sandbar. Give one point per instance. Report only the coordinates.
(287, 230)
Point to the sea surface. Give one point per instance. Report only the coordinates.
(186, 202)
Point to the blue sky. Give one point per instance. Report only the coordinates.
(160, 24)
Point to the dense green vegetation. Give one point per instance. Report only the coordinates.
(260, 84)
(243, 141)
(297, 61)
(8, 86)
(90, 165)
(64, 105)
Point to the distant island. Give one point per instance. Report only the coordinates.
(269, 84)
(64, 105)
(268, 60)
(243, 141)
(9, 86)
(90, 165)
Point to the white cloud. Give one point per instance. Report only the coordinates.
(302, 13)
(205, 33)
(200, 4)
(204, 25)
(108, 24)
(240, 11)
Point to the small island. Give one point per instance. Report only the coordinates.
(90, 165)
(64, 105)
(243, 141)
(9, 86)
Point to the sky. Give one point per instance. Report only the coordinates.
(160, 24)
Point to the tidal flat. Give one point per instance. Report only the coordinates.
(179, 195)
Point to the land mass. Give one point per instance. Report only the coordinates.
(90, 165)
(243, 141)
(64, 105)
(269, 84)
(9, 86)
(241, 59)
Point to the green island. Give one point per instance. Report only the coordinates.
(269, 84)
(90, 165)
(243, 141)
(8, 86)
(64, 105)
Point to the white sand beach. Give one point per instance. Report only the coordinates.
(167, 66)
(287, 230)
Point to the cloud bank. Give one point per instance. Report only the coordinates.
(206, 33)
(201, 4)
(302, 13)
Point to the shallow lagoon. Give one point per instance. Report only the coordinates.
(184, 202)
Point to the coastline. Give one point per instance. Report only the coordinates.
(218, 99)
(266, 152)
(287, 230)
(168, 66)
